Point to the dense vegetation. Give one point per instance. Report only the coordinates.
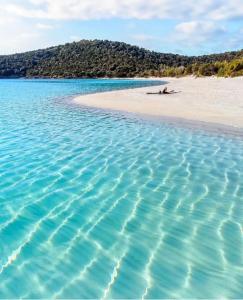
(114, 59)
(224, 68)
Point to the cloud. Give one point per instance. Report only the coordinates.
(20, 11)
(43, 26)
(17, 35)
(196, 32)
(232, 9)
(18, 40)
(28, 24)
(138, 9)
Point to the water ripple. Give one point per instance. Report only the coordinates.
(95, 204)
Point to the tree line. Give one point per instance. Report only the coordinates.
(97, 58)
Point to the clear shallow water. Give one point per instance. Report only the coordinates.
(94, 204)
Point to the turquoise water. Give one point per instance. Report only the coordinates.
(95, 204)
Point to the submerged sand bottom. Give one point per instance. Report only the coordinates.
(213, 100)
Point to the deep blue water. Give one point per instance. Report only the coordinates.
(95, 204)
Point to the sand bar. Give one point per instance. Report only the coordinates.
(213, 100)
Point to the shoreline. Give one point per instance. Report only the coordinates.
(207, 100)
(195, 125)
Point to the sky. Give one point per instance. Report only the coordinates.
(186, 27)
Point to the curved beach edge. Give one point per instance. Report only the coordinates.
(208, 100)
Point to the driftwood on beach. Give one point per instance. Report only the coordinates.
(165, 91)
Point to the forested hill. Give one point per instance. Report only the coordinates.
(106, 59)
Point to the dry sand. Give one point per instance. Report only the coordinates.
(213, 100)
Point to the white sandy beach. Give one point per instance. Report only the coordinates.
(214, 100)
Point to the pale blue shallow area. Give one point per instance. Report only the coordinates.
(95, 204)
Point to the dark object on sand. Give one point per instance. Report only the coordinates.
(165, 91)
